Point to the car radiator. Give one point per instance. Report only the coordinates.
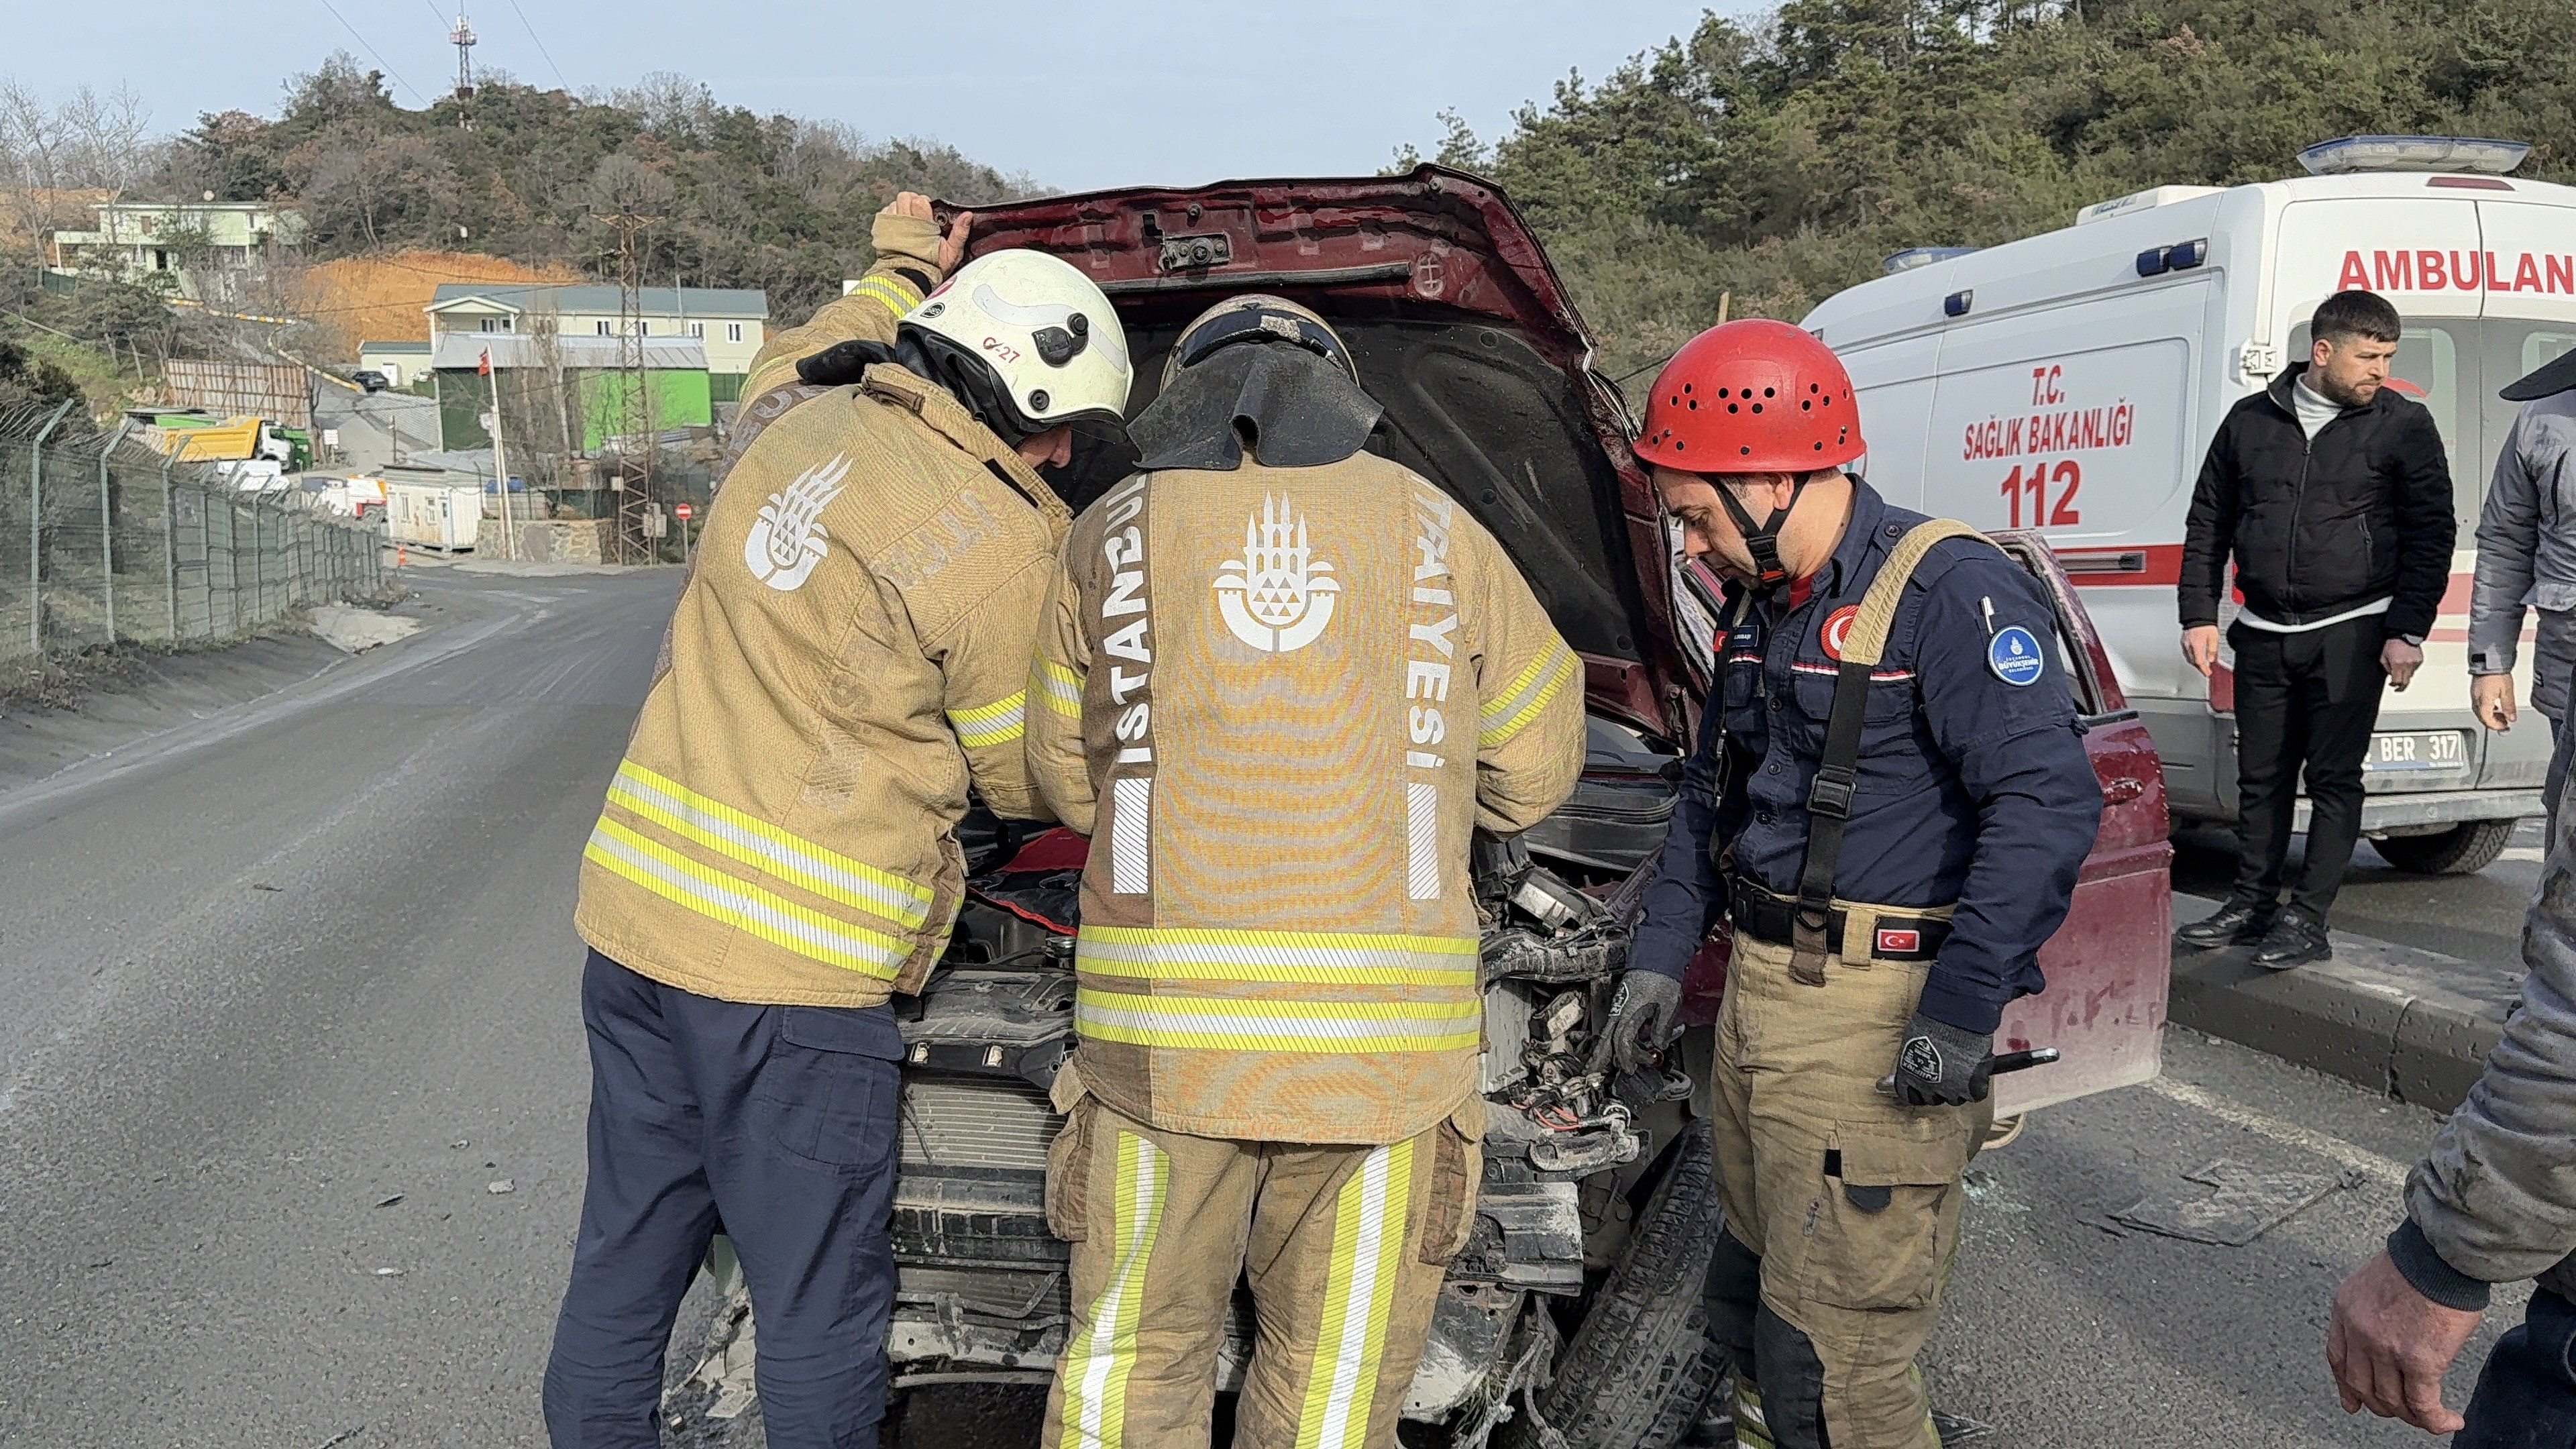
(974, 1121)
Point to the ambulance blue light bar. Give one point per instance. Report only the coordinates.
(2345, 155)
(1912, 257)
(2180, 257)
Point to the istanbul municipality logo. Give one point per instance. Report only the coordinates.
(787, 540)
(1277, 597)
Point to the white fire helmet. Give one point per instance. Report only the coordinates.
(1046, 332)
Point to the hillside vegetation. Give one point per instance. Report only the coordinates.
(1781, 159)
(737, 199)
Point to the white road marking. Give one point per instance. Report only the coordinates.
(2532, 853)
(2385, 1171)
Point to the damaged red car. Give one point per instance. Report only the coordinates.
(1576, 1304)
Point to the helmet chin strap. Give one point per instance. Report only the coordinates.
(1762, 538)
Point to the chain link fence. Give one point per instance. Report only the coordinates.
(105, 541)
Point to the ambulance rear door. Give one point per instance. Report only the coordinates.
(2422, 243)
(2077, 421)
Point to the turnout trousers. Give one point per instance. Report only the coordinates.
(1842, 1207)
(2304, 703)
(775, 1124)
(1345, 1248)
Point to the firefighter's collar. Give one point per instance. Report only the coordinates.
(890, 383)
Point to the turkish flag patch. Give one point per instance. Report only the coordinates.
(1893, 942)
(1837, 628)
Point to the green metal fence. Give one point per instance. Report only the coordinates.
(103, 540)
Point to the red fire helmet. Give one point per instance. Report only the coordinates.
(1752, 397)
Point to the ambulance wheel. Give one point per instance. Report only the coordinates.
(1636, 1373)
(2464, 849)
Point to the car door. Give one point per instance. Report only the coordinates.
(2110, 965)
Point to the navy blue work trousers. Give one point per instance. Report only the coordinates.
(777, 1122)
(2526, 1395)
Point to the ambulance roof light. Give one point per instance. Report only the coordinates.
(1912, 257)
(2345, 155)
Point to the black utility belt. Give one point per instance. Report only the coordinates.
(1774, 919)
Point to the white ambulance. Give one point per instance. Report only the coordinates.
(2070, 383)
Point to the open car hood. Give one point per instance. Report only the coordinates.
(1460, 329)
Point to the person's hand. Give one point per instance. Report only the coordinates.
(2491, 699)
(2390, 1345)
(2401, 660)
(1643, 1016)
(1940, 1065)
(2200, 646)
(952, 247)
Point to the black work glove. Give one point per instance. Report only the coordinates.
(1644, 1016)
(1940, 1065)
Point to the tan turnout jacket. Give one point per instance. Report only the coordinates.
(850, 652)
(1279, 700)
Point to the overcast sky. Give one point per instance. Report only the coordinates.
(1079, 95)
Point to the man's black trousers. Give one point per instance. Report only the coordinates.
(2526, 1395)
(777, 1122)
(2303, 702)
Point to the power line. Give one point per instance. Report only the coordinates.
(371, 52)
(541, 47)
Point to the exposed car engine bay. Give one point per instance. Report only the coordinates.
(1568, 1153)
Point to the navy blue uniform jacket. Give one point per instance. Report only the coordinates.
(1972, 790)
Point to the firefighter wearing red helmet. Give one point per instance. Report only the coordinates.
(1891, 800)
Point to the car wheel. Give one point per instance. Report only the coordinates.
(1636, 1374)
(2463, 849)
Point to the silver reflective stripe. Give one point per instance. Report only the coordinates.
(789, 862)
(1173, 1025)
(743, 907)
(1422, 842)
(1131, 835)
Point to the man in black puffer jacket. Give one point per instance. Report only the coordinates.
(2331, 491)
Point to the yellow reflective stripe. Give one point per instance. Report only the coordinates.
(1224, 1024)
(1322, 958)
(1509, 714)
(1059, 688)
(755, 842)
(998, 723)
(891, 291)
(1096, 1362)
(1369, 1217)
(744, 906)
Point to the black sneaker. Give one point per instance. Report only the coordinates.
(2238, 923)
(2296, 939)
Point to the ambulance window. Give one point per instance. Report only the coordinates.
(2437, 365)
(2514, 347)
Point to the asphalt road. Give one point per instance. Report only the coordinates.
(290, 988)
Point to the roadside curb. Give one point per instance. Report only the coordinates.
(2412, 1023)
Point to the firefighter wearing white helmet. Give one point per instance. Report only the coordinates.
(778, 853)
(1282, 683)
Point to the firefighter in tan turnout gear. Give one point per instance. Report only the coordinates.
(777, 853)
(1282, 682)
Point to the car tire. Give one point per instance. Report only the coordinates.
(2464, 849)
(1638, 1371)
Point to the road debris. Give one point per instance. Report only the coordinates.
(500, 1186)
(727, 1370)
(459, 1145)
(343, 1437)
(352, 631)
(389, 1202)
(389, 1272)
(2247, 1203)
